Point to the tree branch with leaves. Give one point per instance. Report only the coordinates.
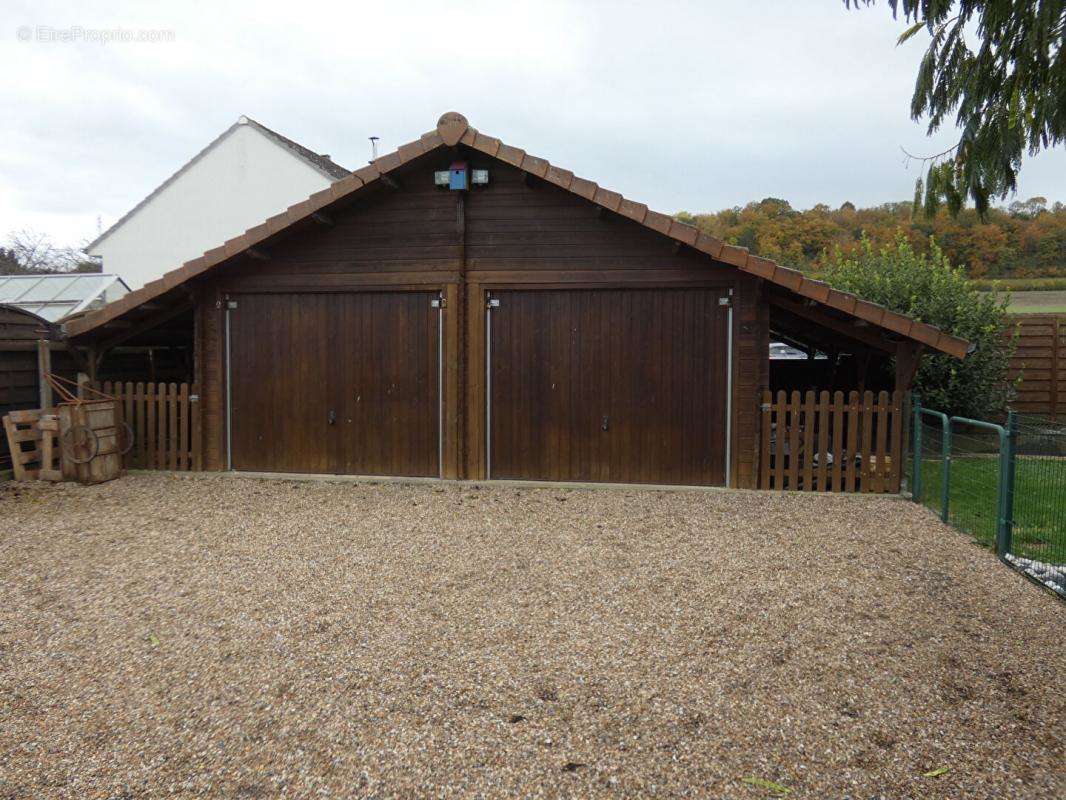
(997, 66)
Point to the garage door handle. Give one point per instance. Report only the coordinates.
(332, 416)
(606, 423)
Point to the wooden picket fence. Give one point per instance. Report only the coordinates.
(822, 443)
(165, 418)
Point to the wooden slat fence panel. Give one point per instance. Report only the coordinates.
(165, 419)
(828, 444)
(1040, 349)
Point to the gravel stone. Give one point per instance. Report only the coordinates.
(192, 636)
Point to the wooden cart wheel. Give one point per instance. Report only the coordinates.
(125, 438)
(83, 439)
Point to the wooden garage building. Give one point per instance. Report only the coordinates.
(462, 309)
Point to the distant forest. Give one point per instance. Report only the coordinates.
(1026, 239)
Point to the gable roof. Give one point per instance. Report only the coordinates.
(55, 296)
(319, 162)
(453, 129)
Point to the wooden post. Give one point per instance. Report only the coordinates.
(44, 369)
(908, 357)
(1054, 368)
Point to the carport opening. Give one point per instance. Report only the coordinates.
(834, 415)
(160, 354)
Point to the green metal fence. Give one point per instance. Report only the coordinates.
(1003, 484)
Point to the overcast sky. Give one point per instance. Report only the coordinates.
(695, 106)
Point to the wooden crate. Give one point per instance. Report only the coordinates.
(103, 418)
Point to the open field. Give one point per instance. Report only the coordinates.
(232, 637)
(1038, 302)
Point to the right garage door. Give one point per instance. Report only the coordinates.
(609, 385)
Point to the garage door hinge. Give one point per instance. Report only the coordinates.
(437, 302)
(725, 301)
(493, 303)
(231, 304)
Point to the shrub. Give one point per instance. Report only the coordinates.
(927, 288)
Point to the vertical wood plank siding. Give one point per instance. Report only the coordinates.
(518, 233)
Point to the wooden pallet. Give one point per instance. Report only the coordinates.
(41, 429)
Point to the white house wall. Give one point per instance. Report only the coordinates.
(235, 185)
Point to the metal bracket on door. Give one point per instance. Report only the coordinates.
(438, 303)
(728, 386)
(231, 305)
(490, 303)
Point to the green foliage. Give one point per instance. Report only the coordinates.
(1028, 239)
(997, 66)
(926, 287)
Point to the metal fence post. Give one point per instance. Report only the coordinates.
(916, 488)
(945, 469)
(1005, 540)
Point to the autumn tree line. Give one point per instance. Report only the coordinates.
(1026, 239)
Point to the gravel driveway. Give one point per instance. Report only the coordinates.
(165, 636)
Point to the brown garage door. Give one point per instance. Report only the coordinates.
(335, 383)
(609, 385)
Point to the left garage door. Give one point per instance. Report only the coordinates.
(342, 383)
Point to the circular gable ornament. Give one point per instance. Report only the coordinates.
(451, 127)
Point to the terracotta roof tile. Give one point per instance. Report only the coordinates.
(278, 222)
(345, 187)
(387, 162)
(953, 345)
(787, 277)
(926, 334)
(709, 244)
(815, 290)
(259, 232)
(763, 267)
(560, 177)
(487, 144)
(658, 222)
(238, 244)
(535, 166)
(737, 256)
(432, 139)
(319, 199)
(897, 322)
(368, 173)
(215, 255)
(453, 128)
(684, 233)
(635, 211)
(512, 155)
(606, 198)
(194, 267)
(871, 312)
(842, 301)
(410, 151)
(583, 188)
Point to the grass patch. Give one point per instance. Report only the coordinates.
(1039, 501)
(1019, 284)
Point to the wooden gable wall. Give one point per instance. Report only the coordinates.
(516, 232)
